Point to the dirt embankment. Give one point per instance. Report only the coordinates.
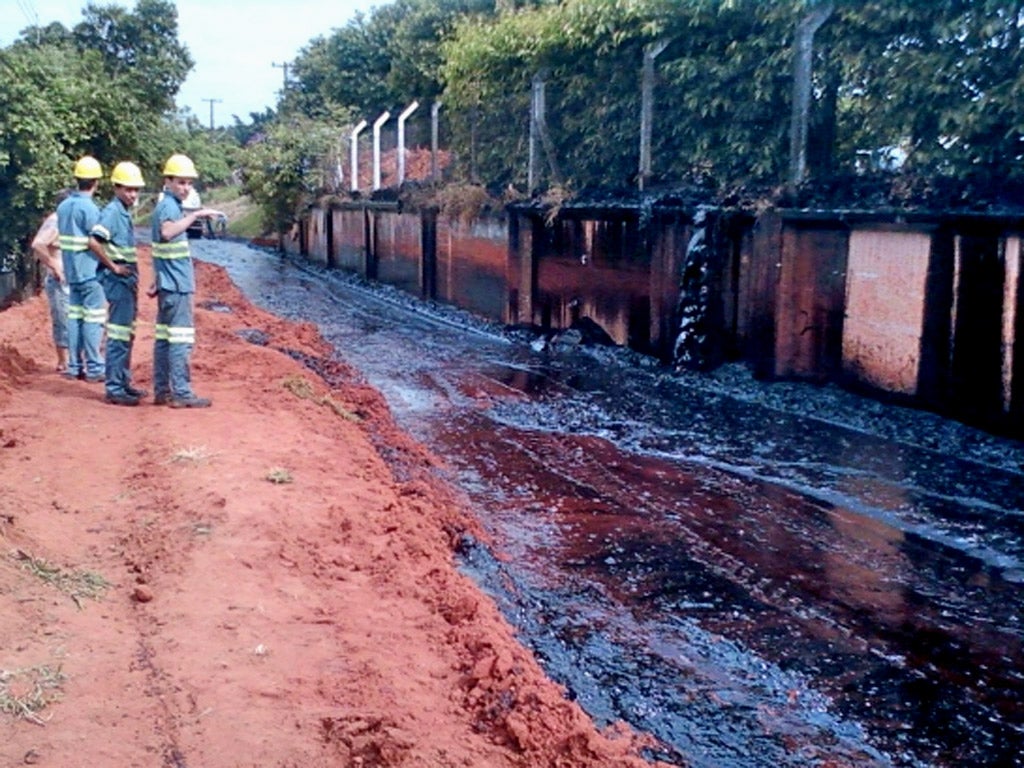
(248, 585)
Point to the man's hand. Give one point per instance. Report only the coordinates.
(121, 270)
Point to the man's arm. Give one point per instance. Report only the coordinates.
(96, 246)
(44, 245)
(171, 229)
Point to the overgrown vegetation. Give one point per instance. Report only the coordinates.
(901, 90)
(291, 167)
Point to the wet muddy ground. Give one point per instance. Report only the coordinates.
(756, 574)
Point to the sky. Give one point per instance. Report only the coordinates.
(235, 44)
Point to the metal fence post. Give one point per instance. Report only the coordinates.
(434, 109)
(378, 124)
(651, 52)
(354, 156)
(401, 139)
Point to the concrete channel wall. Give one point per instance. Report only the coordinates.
(925, 310)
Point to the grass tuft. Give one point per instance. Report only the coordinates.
(24, 693)
(75, 584)
(279, 475)
(301, 388)
(196, 454)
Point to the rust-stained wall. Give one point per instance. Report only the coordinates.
(811, 296)
(348, 239)
(757, 287)
(670, 234)
(396, 249)
(316, 236)
(886, 282)
(928, 309)
(471, 264)
(291, 242)
(521, 270)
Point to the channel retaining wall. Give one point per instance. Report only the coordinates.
(925, 310)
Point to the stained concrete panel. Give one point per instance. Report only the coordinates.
(597, 270)
(472, 261)
(885, 300)
(809, 307)
(349, 235)
(397, 249)
(316, 236)
(291, 240)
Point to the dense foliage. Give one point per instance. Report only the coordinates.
(932, 82)
(929, 88)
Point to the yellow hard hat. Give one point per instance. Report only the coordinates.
(127, 175)
(88, 167)
(180, 166)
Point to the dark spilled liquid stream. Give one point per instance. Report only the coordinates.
(755, 574)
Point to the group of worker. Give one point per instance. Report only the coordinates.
(92, 270)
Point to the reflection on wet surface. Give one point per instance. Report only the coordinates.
(754, 585)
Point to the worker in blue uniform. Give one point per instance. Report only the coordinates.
(87, 307)
(175, 285)
(114, 235)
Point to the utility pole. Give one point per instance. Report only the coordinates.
(212, 102)
(285, 68)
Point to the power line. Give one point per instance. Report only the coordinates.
(29, 12)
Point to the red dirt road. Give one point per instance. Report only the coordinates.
(313, 621)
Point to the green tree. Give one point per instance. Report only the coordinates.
(140, 46)
(291, 167)
(347, 69)
(939, 79)
(383, 60)
(55, 105)
(942, 81)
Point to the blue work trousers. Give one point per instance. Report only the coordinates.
(87, 311)
(174, 336)
(122, 307)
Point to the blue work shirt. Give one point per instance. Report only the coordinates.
(76, 217)
(117, 233)
(172, 260)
